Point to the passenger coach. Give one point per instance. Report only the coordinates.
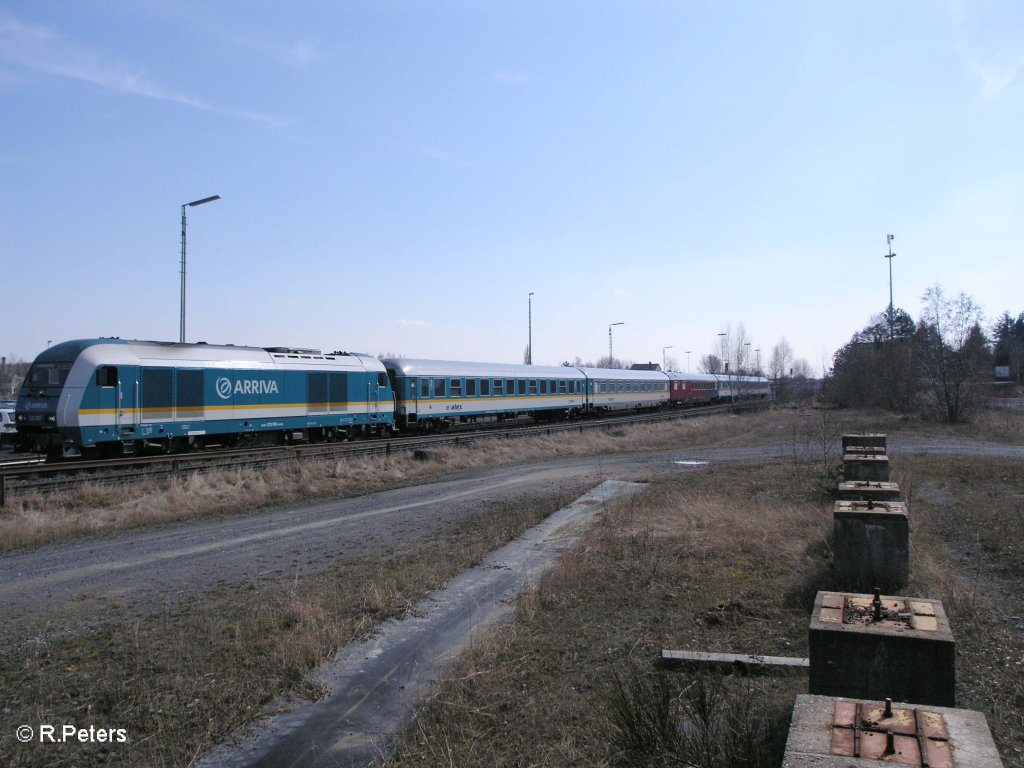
(692, 388)
(435, 393)
(126, 396)
(617, 389)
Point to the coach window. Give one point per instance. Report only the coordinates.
(522, 387)
(456, 390)
(533, 386)
(438, 387)
(424, 387)
(470, 387)
(543, 386)
(497, 387)
(106, 376)
(485, 387)
(510, 387)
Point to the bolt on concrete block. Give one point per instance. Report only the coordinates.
(831, 732)
(867, 490)
(880, 647)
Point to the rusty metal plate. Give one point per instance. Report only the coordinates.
(832, 608)
(904, 750)
(900, 721)
(891, 734)
(887, 612)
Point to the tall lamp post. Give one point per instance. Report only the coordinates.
(725, 349)
(889, 255)
(529, 320)
(688, 360)
(181, 330)
(758, 353)
(664, 360)
(611, 357)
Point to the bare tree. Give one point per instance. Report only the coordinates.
(711, 364)
(741, 346)
(953, 351)
(801, 369)
(781, 360)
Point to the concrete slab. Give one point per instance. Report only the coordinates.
(902, 649)
(868, 440)
(375, 684)
(871, 545)
(866, 466)
(966, 739)
(865, 490)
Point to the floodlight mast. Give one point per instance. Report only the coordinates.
(529, 338)
(611, 357)
(889, 255)
(181, 329)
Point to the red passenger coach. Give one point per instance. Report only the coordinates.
(692, 388)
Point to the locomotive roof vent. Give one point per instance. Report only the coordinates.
(291, 351)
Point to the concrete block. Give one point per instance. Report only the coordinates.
(882, 647)
(866, 490)
(821, 735)
(871, 545)
(866, 466)
(866, 440)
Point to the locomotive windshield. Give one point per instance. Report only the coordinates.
(48, 374)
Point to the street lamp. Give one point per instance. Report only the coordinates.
(664, 360)
(889, 255)
(181, 330)
(758, 353)
(688, 361)
(611, 357)
(725, 348)
(745, 344)
(529, 341)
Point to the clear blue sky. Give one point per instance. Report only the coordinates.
(398, 176)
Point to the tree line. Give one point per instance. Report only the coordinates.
(938, 365)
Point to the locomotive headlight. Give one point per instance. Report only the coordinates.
(51, 418)
(21, 418)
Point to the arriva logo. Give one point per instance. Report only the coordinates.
(245, 387)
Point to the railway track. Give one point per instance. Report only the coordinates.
(25, 474)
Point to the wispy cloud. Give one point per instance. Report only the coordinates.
(297, 55)
(414, 324)
(40, 49)
(621, 293)
(995, 78)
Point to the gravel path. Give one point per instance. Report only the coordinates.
(141, 570)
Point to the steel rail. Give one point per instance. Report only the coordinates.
(23, 477)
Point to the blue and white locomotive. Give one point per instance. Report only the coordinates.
(122, 397)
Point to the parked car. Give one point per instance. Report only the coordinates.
(7, 429)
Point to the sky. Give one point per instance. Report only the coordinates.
(398, 177)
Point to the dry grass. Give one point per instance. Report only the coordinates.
(719, 560)
(181, 682)
(967, 524)
(722, 560)
(93, 510)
